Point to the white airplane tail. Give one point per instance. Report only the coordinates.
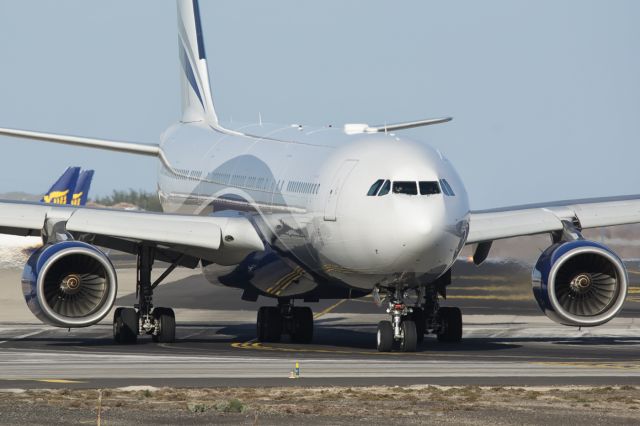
(197, 102)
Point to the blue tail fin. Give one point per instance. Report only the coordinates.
(61, 191)
(81, 191)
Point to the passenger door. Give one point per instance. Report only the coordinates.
(336, 188)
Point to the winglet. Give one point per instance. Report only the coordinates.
(352, 129)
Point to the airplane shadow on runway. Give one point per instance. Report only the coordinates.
(351, 337)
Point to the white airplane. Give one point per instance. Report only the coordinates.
(299, 213)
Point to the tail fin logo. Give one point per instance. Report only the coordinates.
(72, 188)
(56, 197)
(76, 199)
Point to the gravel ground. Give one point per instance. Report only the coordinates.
(331, 405)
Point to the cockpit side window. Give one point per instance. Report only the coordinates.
(385, 188)
(375, 188)
(429, 188)
(408, 188)
(447, 188)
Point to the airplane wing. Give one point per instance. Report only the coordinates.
(219, 240)
(489, 225)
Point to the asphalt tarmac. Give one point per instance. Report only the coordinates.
(507, 341)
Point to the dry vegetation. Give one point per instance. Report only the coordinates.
(320, 404)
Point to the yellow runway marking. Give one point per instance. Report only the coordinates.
(490, 297)
(586, 364)
(252, 344)
(481, 278)
(329, 309)
(261, 347)
(432, 355)
(501, 288)
(63, 381)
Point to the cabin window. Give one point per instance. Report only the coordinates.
(375, 187)
(408, 188)
(429, 188)
(385, 188)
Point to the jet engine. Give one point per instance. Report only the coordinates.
(580, 283)
(69, 284)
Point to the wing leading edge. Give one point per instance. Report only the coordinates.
(518, 221)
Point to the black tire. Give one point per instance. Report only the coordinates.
(409, 341)
(167, 320)
(451, 320)
(125, 326)
(420, 319)
(269, 324)
(302, 325)
(384, 336)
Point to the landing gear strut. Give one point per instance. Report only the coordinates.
(401, 328)
(444, 322)
(409, 324)
(285, 318)
(143, 318)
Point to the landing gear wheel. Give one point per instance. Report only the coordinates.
(419, 318)
(166, 320)
(385, 336)
(451, 321)
(125, 326)
(269, 324)
(302, 331)
(409, 341)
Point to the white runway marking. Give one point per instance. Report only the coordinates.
(23, 336)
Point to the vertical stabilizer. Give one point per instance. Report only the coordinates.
(60, 192)
(197, 102)
(81, 191)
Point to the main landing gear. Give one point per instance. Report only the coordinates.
(273, 321)
(409, 324)
(143, 318)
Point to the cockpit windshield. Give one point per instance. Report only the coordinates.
(429, 188)
(375, 187)
(384, 186)
(408, 188)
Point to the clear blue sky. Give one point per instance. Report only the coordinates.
(545, 94)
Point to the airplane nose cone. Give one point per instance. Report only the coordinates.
(418, 234)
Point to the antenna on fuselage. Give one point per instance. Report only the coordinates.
(260, 119)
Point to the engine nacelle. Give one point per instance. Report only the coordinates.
(580, 283)
(69, 284)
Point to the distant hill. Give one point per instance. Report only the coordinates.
(20, 196)
(130, 200)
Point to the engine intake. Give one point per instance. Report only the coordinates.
(69, 284)
(580, 283)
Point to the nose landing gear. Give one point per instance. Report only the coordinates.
(409, 324)
(401, 329)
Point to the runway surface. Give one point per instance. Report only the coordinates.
(507, 341)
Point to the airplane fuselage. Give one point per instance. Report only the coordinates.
(307, 191)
